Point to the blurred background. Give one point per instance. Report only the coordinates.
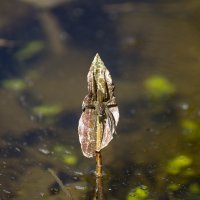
(152, 50)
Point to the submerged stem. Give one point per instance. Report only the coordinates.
(99, 182)
(67, 193)
(98, 164)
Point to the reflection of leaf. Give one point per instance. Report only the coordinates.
(179, 163)
(14, 84)
(47, 110)
(30, 50)
(158, 87)
(191, 129)
(138, 193)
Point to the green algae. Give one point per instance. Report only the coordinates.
(47, 110)
(14, 84)
(29, 50)
(178, 164)
(138, 193)
(158, 87)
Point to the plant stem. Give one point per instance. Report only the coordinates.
(99, 125)
(67, 193)
(99, 182)
(99, 134)
(98, 164)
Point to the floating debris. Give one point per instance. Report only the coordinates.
(44, 151)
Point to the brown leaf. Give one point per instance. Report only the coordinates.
(100, 114)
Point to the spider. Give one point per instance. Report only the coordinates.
(103, 112)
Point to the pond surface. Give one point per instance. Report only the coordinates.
(151, 49)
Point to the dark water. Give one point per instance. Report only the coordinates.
(152, 51)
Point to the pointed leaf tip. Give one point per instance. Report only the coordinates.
(97, 60)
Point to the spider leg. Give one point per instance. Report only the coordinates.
(89, 106)
(111, 103)
(109, 120)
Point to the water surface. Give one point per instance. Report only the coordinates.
(152, 51)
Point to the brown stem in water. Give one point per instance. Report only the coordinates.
(98, 164)
(99, 182)
(99, 135)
